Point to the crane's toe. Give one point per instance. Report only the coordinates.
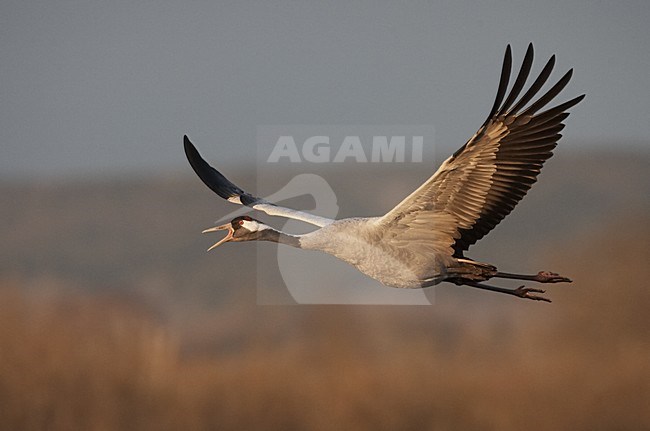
(551, 277)
(527, 292)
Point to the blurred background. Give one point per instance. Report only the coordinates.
(112, 316)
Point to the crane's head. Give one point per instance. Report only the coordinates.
(242, 228)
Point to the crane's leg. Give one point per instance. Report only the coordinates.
(540, 277)
(521, 291)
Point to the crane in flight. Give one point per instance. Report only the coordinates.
(422, 241)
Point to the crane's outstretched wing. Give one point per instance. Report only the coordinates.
(482, 182)
(229, 191)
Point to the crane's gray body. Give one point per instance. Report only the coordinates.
(360, 243)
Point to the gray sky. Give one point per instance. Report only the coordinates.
(105, 87)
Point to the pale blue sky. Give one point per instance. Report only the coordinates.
(105, 87)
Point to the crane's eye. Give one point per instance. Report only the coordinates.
(241, 222)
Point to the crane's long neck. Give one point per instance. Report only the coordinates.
(280, 237)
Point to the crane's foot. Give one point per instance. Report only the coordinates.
(540, 277)
(521, 291)
(551, 277)
(528, 293)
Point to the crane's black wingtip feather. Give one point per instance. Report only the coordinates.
(507, 58)
(551, 62)
(190, 150)
(200, 166)
(192, 154)
(573, 102)
(209, 175)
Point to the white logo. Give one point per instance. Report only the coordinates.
(319, 149)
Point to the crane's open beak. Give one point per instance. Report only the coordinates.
(227, 238)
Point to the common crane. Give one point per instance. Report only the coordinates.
(421, 242)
